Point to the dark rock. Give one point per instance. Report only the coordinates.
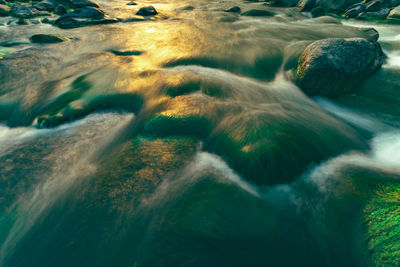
(131, 3)
(126, 53)
(47, 21)
(354, 10)
(21, 11)
(44, 6)
(22, 21)
(4, 10)
(83, 3)
(371, 34)
(147, 11)
(379, 15)
(373, 6)
(339, 5)
(393, 3)
(317, 12)
(60, 10)
(258, 13)
(3, 2)
(334, 67)
(69, 22)
(394, 15)
(306, 5)
(26, 12)
(234, 9)
(85, 12)
(47, 38)
(283, 2)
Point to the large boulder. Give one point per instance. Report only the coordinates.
(334, 67)
(339, 5)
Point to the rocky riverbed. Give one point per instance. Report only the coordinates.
(199, 133)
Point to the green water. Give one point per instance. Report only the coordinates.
(182, 141)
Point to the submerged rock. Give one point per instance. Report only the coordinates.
(234, 9)
(147, 11)
(4, 10)
(84, 3)
(47, 38)
(258, 13)
(84, 16)
(334, 67)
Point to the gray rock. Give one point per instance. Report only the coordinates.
(394, 15)
(373, 6)
(44, 6)
(4, 10)
(334, 67)
(354, 10)
(147, 11)
(378, 15)
(306, 5)
(26, 12)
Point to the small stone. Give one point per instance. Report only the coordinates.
(147, 11)
(131, 3)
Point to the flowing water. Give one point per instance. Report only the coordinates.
(198, 149)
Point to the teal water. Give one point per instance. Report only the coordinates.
(199, 151)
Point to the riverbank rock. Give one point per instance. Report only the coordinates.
(340, 5)
(4, 10)
(354, 10)
(306, 5)
(84, 16)
(394, 15)
(334, 67)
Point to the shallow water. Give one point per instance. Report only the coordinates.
(198, 151)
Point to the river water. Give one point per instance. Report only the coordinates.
(198, 150)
